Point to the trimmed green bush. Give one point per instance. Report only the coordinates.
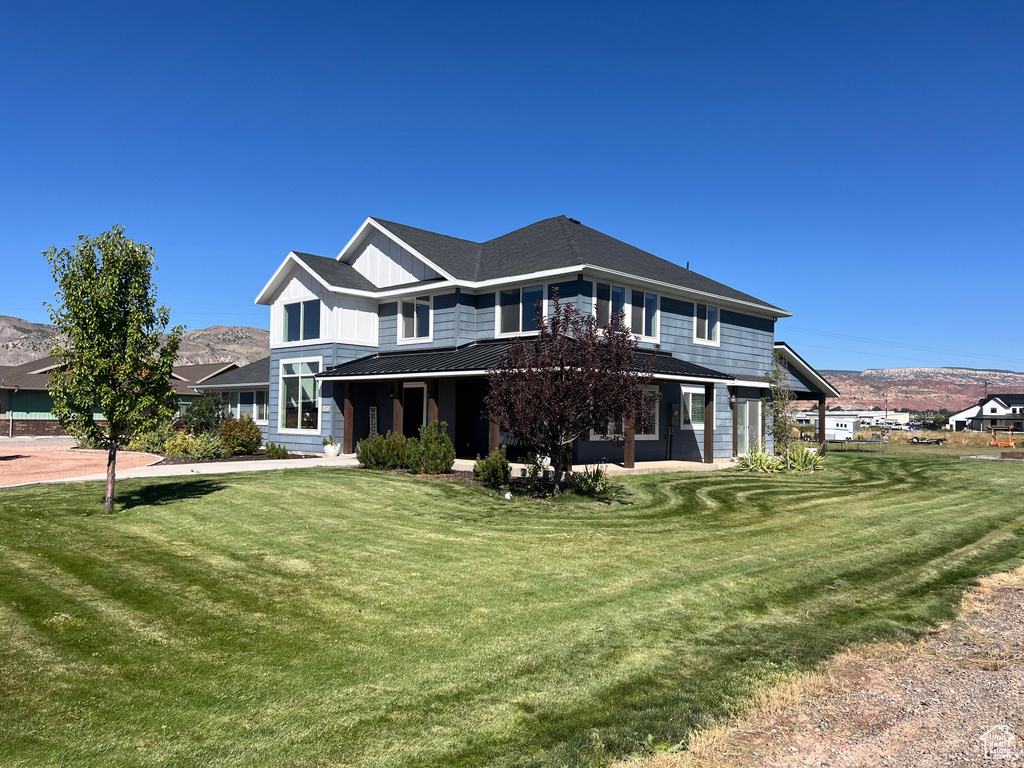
(383, 451)
(591, 481)
(154, 441)
(240, 437)
(276, 451)
(433, 453)
(205, 446)
(494, 471)
(204, 414)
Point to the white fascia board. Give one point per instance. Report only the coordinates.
(268, 290)
(360, 235)
(252, 385)
(801, 365)
(485, 372)
(751, 384)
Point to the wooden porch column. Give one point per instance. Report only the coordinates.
(348, 442)
(493, 436)
(397, 408)
(821, 420)
(432, 387)
(629, 449)
(709, 423)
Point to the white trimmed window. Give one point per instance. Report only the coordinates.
(300, 396)
(693, 407)
(610, 303)
(705, 323)
(301, 321)
(414, 320)
(517, 309)
(252, 403)
(643, 313)
(617, 428)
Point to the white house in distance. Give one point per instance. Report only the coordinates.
(992, 411)
(839, 425)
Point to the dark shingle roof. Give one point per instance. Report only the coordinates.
(336, 273)
(552, 244)
(483, 355)
(24, 376)
(256, 373)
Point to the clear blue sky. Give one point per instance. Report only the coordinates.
(860, 164)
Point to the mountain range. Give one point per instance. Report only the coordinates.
(22, 341)
(915, 388)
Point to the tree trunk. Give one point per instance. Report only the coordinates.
(556, 467)
(108, 505)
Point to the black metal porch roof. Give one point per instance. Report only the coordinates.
(480, 356)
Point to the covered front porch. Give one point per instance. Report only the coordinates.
(401, 391)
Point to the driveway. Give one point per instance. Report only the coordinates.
(32, 459)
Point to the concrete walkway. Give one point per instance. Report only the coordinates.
(266, 465)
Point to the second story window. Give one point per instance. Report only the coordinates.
(611, 301)
(644, 314)
(301, 321)
(518, 309)
(705, 323)
(415, 324)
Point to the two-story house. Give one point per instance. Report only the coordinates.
(401, 327)
(1005, 411)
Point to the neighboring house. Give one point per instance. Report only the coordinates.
(402, 326)
(839, 425)
(248, 391)
(992, 411)
(26, 406)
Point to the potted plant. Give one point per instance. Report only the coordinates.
(331, 448)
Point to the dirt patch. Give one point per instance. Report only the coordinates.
(931, 704)
(32, 461)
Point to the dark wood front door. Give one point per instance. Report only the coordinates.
(414, 410)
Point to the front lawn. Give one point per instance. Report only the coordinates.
(341, 617)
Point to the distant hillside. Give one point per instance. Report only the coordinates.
(22, 341)
(921, 388)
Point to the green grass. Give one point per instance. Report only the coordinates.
(340, 617)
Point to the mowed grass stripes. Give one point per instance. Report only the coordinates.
(338, 617)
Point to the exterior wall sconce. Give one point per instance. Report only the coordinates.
(732, 401)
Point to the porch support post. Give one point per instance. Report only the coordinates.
(629, 449)
(348, 442)
(397, 408)
(821, 420)
(432, 386)
(709, 423)
(493, 436)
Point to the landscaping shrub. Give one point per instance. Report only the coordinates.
(591, 481)
(433, 453)
(204, 414)
(762, 461)
(276, 451)
(803, 459)
(154, 441)
(494, 471)
(383, 451)
(240, 437)
(205, 446)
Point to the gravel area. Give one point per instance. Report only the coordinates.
(925, 705)
(34, 460)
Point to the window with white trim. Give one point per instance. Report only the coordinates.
(301, 321)
(643, 313)
(693, 408)
(415, 319)
(300, 396)
(705, 323)
(610, 303)
(650, 432)
(253, 403)
(517, 309)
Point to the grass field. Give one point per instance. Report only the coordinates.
(339, 617)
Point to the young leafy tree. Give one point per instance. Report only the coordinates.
(779, 407)
(573, 377)
(109, 343)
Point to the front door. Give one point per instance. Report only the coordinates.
(414, 409)
(748, 426)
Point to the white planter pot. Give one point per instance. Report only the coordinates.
(332, 450)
